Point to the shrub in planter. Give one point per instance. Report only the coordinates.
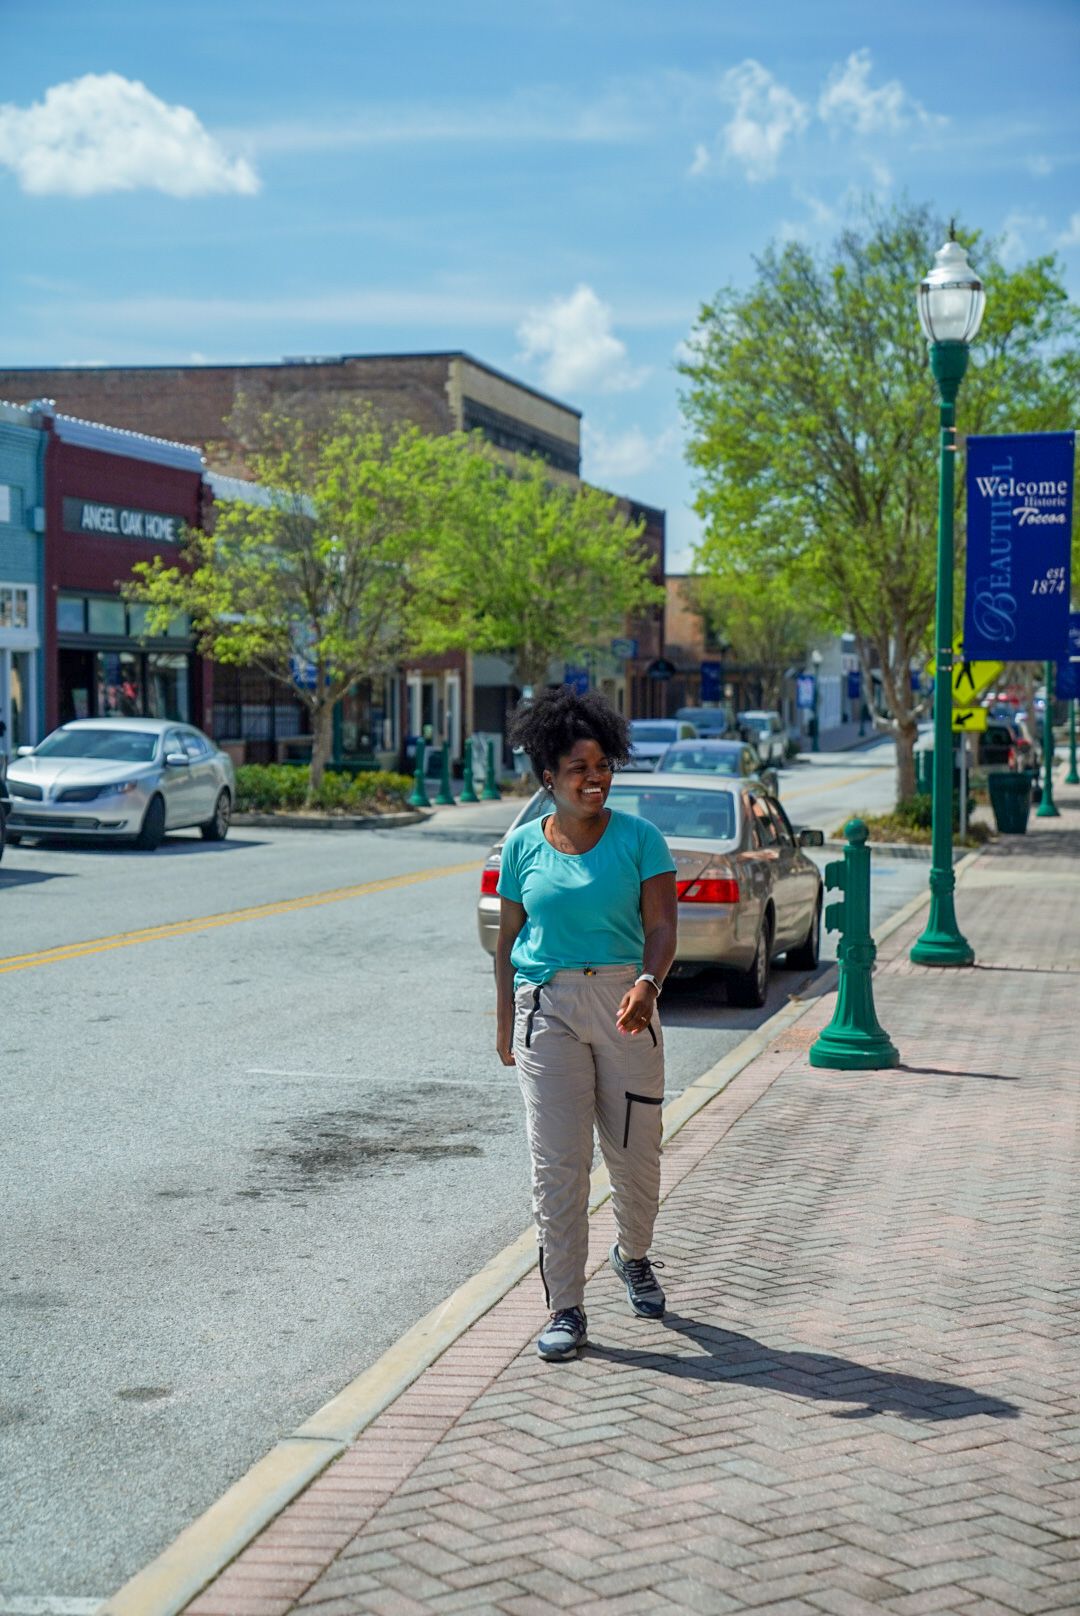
(265, 787)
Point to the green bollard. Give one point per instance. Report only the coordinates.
(418, 797)
(1046, 808)
(854, 1040)
(491, 792)
(446, 798)
(468, 785)
(1072, 778)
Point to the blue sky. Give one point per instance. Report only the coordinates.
(555, 189)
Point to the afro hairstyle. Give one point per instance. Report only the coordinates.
(547, 728)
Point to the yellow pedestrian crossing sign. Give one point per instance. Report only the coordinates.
(969, 679)
(967, 719)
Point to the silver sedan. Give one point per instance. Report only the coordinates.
(747, 891)
(134, 778)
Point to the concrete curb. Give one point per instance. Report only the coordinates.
(414, 816)
(205, 1547)
(911, 850)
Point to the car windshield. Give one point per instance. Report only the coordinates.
(679, 812)
(754, 720)
(652, 732)
(700, 760)
(115, 745)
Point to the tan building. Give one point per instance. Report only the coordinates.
(445, 697)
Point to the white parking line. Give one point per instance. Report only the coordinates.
(46, 1605)
(356, 1077)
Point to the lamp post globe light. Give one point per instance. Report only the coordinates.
(951, 301)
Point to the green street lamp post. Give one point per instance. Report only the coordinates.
(1046, 808)
(951, 301)
(1072, 778)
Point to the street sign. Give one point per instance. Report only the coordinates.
(968, 719)
(969, 679)
(805, 686)
(576, 678)
(624, 649)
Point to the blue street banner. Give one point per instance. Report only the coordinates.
(577, 678)
(1019, 527)
(805, 686)
(1068, 665)
(854, 685)
(712, 674)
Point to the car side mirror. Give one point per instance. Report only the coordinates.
(24, 751)
(177, 760)
(810, 838)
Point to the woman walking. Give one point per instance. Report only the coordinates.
(586, 937)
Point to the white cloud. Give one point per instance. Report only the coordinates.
(1070, 236)
(103, 132)
(614, 457)
(1040, 166)
(702, 161)
(1016, 236)
(766, 115)
(848, 99)
(572, 339)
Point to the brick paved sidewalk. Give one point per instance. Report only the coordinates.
(866, 1395)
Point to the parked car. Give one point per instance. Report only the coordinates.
(651, 737)
(747, 891)
(766, 731)
(134, 778)
(718, 723)
(1007, 742)
(5, 803)
(736, 759)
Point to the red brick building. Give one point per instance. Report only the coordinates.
(206, 405)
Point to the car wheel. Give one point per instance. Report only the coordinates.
(751, 988)
(152, 833)
(12, 838)
(806, 956)
(216, 829)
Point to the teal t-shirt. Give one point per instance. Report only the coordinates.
(582, 908)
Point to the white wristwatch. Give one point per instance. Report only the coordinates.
(647, 976)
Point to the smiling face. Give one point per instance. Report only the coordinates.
(581, 782)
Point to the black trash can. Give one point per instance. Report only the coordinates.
(1010, 798)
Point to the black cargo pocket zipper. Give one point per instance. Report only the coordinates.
(532, 1017)
(641, 1099)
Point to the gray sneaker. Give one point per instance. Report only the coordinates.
(567, 1331)
(642, 1286)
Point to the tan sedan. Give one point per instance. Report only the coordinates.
(747, 891)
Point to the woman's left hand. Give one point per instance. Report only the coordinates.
(636, 1008)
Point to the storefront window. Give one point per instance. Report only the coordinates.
(137, 616)
(179, 627)
(167, 686)
(108, 617)
(118, 683)
(71, 614)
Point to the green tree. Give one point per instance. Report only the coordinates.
(766, 617)
(308, 577)
(538, 569)
(813, 420)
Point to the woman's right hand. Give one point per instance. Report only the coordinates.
(504, 1041)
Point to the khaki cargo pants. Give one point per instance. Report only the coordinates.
(577, 1069)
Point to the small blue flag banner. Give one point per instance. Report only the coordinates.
(1019, 527)
(712, 674)
(805, 690)
(1068, 665)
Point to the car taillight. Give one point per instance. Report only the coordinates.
(1012, 757)
(489, 883)
(709, 889)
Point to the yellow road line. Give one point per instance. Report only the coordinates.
(234, 917)
(834, 785)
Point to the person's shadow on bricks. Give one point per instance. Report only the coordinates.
(732, 1357)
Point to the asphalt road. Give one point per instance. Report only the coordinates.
(241, 1156)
